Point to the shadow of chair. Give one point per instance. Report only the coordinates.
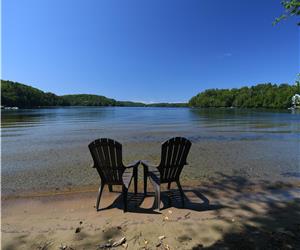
(195, 201)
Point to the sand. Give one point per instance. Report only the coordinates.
(231, 211)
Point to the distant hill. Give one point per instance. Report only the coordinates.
(21, 95)
(260, 96)
(88, 100)
(166, 104)
(130, 104)
(24, 96)
(14, 94)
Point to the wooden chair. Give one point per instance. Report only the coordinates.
(107, 157)
(173, 158)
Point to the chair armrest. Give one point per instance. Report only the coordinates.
(133, 164)
(148, 168)
(146, 164)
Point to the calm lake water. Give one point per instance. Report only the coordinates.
(48, 147)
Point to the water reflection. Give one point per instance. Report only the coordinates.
(141, 120)
(239, 120)
(40, 117)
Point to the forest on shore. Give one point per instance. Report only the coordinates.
(259, 96)
(14, 94)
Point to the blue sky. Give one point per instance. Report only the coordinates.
(146, 50)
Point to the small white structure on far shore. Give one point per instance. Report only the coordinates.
(295, 101)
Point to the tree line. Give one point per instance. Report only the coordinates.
(14, 94)
(24, 96)
(260, 96)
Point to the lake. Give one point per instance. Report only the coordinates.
(47, 148)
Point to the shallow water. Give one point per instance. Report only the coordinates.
(49, 146)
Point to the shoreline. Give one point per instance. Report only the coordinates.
(180, 107)
(253, 186)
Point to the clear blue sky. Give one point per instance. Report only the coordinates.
(146, 50)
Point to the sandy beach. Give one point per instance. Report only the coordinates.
(232, 212)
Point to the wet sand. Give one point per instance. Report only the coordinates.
(233, 212)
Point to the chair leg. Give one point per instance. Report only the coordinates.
(181, 192)
(99, 195)
(135, 180)
(124, 191)
(110, 188)
(157, 196)
(169, 187)
(145, 181)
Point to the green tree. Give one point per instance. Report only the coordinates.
(298, 84)
(260, 96)
(292, 8)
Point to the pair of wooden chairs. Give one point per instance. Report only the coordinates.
(107, 157)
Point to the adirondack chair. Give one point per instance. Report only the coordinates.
(107, 158)
(173, 158)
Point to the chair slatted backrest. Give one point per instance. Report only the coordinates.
(173, 157)
(107, 156)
